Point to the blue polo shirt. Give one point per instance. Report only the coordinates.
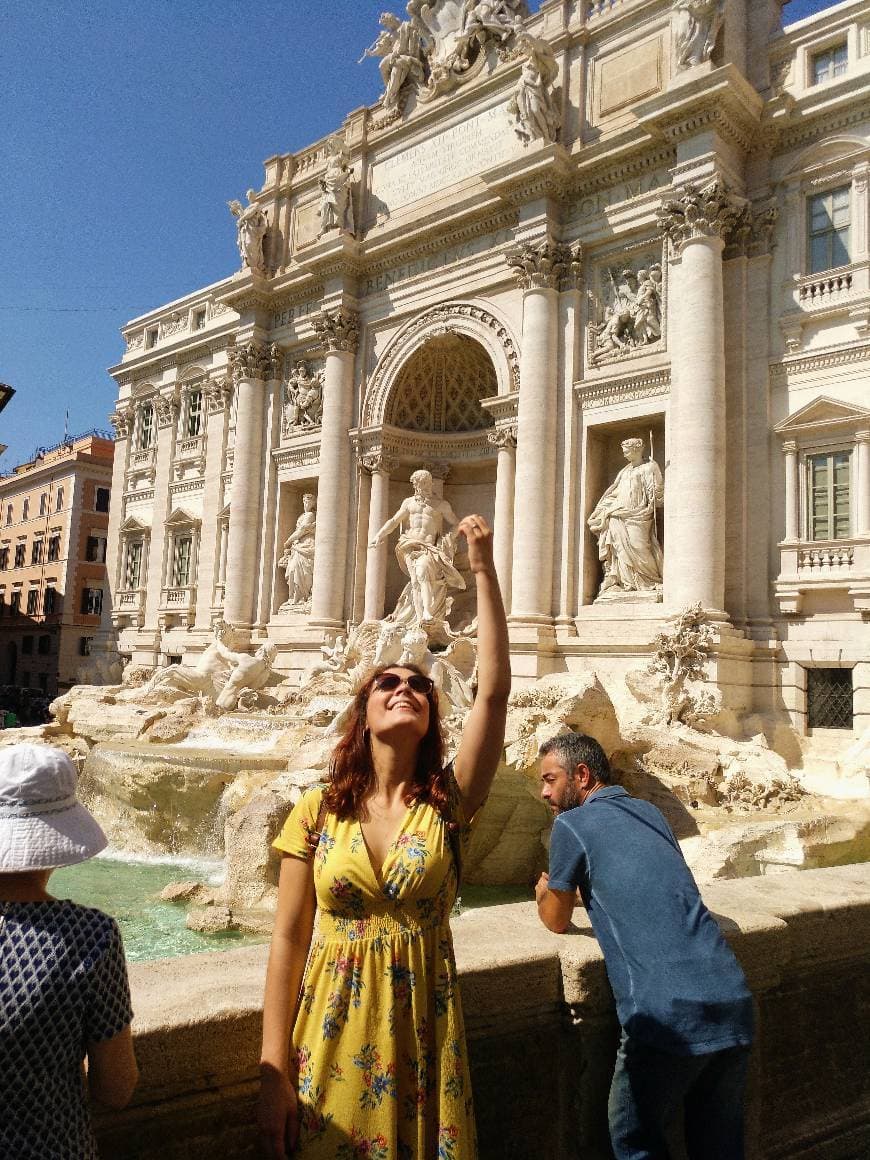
(677, 985)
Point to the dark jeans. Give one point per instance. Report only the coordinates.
(651, 1088)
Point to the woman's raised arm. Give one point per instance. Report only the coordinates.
(483, 736)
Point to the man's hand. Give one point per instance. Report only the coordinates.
(541, 887)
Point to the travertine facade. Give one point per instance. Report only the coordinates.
(604, 221)
(54, 516)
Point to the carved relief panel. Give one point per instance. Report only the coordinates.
(302, 408)
(627, 305)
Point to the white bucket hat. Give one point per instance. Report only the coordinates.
(42, 824)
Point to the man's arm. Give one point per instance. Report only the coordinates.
(555, 907)
(392, 522)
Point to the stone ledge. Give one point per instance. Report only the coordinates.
(197, 1022)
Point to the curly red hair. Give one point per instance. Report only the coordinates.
(352, 772)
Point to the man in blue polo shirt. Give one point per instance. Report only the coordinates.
(681, 997)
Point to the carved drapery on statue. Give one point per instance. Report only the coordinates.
(695, 26)
(533, 107)
(442, 44)
(625, 521)
(336, 185)
(303, 399)
(297, 559)
(251, 225)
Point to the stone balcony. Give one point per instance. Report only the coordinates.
(177, 607)
(806, 567)
(129, 608)
(822, 297)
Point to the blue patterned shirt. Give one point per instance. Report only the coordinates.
(63, 985)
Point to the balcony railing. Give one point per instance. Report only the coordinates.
(822, 289)
(826, 558)
(177, 599)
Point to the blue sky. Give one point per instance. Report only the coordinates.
(126, 128)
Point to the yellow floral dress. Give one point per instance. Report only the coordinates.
(379, 1039)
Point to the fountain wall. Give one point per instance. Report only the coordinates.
(542, 1031)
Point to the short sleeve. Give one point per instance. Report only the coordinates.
(301, 821)
(567, 858)
(109, 1010)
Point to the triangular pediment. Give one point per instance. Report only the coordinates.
(132, 524)
(821, 414)
(224, 513)
(180, 518)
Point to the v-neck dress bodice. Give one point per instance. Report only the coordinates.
(378, 1039)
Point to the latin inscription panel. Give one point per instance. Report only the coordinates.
(445, 158)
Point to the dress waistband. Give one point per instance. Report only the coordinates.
(333, 926)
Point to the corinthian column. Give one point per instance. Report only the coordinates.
(338, 331)
(696, 222)
(380, 467)
(539, 269)
(505, 439)
(251, 366)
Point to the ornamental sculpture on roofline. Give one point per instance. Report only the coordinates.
(251, 226)
(696, 25)
(439, 46)
(533, 108)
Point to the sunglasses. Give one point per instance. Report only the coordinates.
(417, 683)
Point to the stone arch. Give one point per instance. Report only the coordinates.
(460, 319)
(191, 374)
(842, 147)
(441, 385)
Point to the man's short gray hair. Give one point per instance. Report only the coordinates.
(573, 749)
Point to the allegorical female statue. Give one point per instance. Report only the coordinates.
(298, 558)
(625, 522)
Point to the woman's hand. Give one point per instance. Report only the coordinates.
(277, 1114)
(478, 535)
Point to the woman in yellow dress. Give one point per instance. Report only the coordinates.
(364, 1054)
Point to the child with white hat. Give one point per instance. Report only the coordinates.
(64, 994)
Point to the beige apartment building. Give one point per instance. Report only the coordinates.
(54, 514)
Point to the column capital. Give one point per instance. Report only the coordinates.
(789, 447)
(338, 329)
(503, 437)
(379, 462)
(254, 360)
(753, 233)
(166, 410)
(218, 392)
(545, 265)
(121, 421)
(709, 211)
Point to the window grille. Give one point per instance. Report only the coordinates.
(829, 699)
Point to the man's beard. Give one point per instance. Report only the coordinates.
(570, 798)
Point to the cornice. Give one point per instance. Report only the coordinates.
(722, 100)
(158, 362)
(818, 361)
(605, 172)
(800, 128)
(625, 389)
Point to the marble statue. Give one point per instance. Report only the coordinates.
(249, 675)
(303, 398)
(425, 554)
(696, 24)
(632, 314)
(206, 678)
(400, 48)
(336, 202)
(483, 19)
(251, 226)
(533, 108)
(625, 522)
(298, 557)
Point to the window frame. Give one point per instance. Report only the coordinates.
(807, 455)
(145, 431)
(107, 491)
(829, 50)
(832, 233)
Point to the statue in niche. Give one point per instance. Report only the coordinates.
(249, 675)
(336, 202)
(625, 520)
(533, 108)
(298, 557)
(400, 48)
(251, 226)
(303, 398)
(695, 26)
(632, 315)
(425, 554)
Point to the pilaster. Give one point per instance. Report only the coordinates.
(166, 415)
(218, 395)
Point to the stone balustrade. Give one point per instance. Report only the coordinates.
(542, 1031)
(836, 556)
(824, 288)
